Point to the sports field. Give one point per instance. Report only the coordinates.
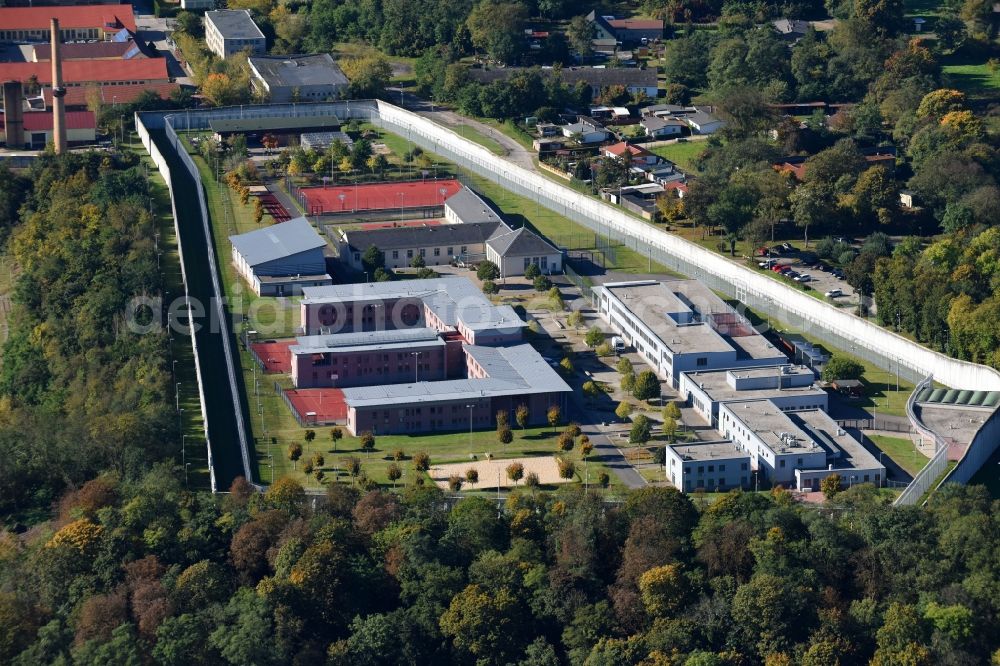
(274, 355)
(378, 196)
(318, 405)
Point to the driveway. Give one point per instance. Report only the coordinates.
(516, 153)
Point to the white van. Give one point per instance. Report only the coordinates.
(834, 293)
(617, 344)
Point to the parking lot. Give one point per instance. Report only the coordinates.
(821, 281)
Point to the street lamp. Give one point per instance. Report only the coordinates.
(416, 365)
(470, 406)
(177, 396)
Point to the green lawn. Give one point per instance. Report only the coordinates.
(192, 425)
(443, 448)
(902, 451)
(474, 135)
(973, 78)
(881, 396)
(682, 154)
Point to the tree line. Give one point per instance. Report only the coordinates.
(139, 570)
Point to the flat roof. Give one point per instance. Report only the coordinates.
(806, 431)
(516, 370)
(663, 306)
(277, 241)
(715, 383)
(234, 24)
(408, 338)
(708, 451)
(256, 124)
(298, 70)
(451, 299)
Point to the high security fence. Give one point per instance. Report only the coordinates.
(822, 320)
(925, 478)
(161, 165)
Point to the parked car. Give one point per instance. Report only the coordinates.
(788, 247)
(838, 273)
(805, 277)
(791, 274)
(777, 268)
(766, 264)
(834, 293)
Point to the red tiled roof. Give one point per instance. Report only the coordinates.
(39, 121)
(85, 51)
(86, 71)
(798, 170)
(77, 96)
(109, 17)
(619, 149)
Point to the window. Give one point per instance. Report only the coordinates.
(781, 463)
(701, 469)
(423, 252)
(465, 250)
(357, 256)
(702, 361)
(545, 262)
(743, 466)
(711, 468)
(437, 252)
(527, 262)
(722, 468)
(395, 254)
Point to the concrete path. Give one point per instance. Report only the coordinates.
(516, 153)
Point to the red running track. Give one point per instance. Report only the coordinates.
(379, 196)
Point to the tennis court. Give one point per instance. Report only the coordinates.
(275, 356)
(378, 196)
(326, 404)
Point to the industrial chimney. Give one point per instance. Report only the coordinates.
(58, 92)
(13, 114)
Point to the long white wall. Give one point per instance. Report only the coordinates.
(866, 335)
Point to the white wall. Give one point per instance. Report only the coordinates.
(743, 280)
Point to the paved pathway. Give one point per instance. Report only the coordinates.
(516, 153)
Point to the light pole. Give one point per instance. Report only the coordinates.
(470, 406)
(186, 467)
(177, 396)
(416, 366)
(341, 196)
(401, 196)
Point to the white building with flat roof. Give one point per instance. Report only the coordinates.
(229, 31)
(707, 465)
(797, 449)
(788, 387)
(681, 325)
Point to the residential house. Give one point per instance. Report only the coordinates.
(661, 128)
(585, 131)
(636, 155)
(791, 30)
(625, 31)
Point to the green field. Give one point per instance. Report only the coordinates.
(682, 154)
(474, 135)
(973, 78)
(902, 451)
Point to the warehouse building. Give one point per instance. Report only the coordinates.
(282, 259)
(297, 78)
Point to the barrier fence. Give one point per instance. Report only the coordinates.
(797, 309)
(925, 478)
(164, 169)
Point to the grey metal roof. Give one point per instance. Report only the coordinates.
(370, 340)
(323, 140)
(234, 24)
(395, 238)
(469, 207)
(277, 241)
(451, 299)
(520, 243)
(517, 370)
(298, 70)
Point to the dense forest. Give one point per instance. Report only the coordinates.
(142, 572)
(80, 392)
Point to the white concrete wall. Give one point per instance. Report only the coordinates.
(744, 280)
